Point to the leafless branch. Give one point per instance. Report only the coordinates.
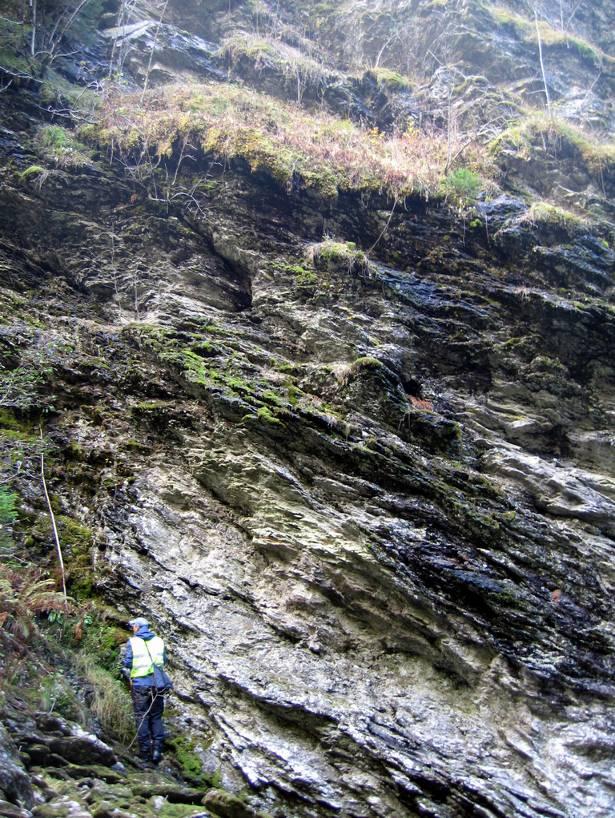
(542, 64)
(384, 229)
(54, 526)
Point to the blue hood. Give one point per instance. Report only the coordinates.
(145, 633)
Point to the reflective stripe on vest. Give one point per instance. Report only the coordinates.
(141, 659)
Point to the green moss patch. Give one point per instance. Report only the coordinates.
(60, 146)
(188, 760)
(389, 79)
(77, 544)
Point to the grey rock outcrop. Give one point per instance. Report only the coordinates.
(367, 498)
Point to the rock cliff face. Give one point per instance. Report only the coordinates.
(352, 454)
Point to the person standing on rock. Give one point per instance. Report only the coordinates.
(142, 652)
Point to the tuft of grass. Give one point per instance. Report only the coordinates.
(267, 53)
(367, 362)
(389, 79)
(337, 255)
(32, 170)
(554, 134)
(548, 214)
(110, 701)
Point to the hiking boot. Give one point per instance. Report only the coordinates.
(157, 754)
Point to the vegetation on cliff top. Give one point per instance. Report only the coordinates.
(529, 31)
(327, 153)
(538, 129)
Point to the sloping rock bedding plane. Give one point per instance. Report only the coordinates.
(307, 319)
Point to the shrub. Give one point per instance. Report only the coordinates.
(101, 641)
(77, 541)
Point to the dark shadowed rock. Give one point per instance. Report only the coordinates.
(83, 749)
(14, 781)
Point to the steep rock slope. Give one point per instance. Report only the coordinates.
(368, 500)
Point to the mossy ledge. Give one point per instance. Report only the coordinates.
(326, 153)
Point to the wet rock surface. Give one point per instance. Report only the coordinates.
(70, 772)
(357, 578)
(369, 507)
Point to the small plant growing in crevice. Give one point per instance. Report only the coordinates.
(462, 186)
(108, 699)
(60, 146)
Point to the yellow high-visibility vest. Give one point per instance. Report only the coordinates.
(142, 661)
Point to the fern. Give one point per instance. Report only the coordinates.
(23, 595)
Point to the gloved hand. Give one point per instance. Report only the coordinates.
(125, 673)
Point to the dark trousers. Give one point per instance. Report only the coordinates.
(148, 707)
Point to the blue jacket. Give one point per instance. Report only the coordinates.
(143, 681)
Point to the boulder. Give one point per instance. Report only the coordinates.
(83, 749)
(227, 805)
(14, 782)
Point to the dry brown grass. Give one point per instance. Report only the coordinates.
(325, 152)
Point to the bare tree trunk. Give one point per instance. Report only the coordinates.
(54, 527)
(33, 35)
(154, 44)
(542, 64)
(451, 124)
(135, 292)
